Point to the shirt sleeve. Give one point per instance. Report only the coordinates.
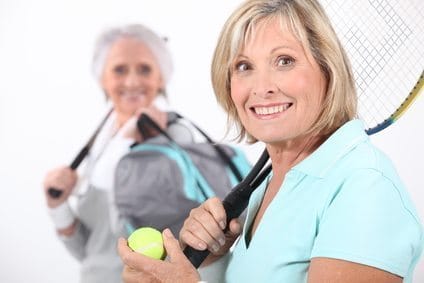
(369, 221)
(76, 243)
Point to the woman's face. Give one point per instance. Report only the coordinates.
(276, 87)
(131, 77)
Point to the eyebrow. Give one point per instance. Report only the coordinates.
(273, 50)
(282, 47)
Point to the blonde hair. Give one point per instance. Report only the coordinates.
(309, 23)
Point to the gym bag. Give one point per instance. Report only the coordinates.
(159, 181)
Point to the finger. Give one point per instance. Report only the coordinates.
(172, 247)
(216, 208)
(215, 228)
(130, 275)
(62, 178)
(189, 239)
(137, 261)
(128, 256)
(202, 225)
(234, 227)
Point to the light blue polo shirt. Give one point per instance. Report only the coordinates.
(345, 201)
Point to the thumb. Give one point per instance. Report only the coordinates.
(172, 246)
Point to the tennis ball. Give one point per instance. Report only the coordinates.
(147, 241)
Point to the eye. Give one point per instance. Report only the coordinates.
(144, 69)
(120, 69)
(242, 66)
(284, 61)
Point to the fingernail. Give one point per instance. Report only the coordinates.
(215, 247)
(167, 233)
(222, 241)
(201, 246)
(222, 224)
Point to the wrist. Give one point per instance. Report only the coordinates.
(62, 216)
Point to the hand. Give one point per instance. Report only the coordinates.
(62, 178)
(139, 268)
(204, 229)
(130, 128)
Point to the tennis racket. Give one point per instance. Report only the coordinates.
(56, 193)
(384, 40)
(236, 202)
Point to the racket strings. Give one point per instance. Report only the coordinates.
(384, 40)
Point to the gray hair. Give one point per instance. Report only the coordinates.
(137, 31)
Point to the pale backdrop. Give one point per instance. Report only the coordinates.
(49, 104)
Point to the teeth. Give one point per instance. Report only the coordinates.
(132, 94)
(271, 110)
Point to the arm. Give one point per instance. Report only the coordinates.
(368, 226)
(340, 271)
(68, 228)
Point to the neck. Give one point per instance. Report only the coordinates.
(121, 119)
(288, 154)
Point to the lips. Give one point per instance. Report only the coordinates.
(269, 110)
(131, 94)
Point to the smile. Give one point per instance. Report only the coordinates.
(272, 109)
(132, 94)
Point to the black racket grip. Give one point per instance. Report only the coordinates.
(196, 257)
(56, 193)
(234, 204)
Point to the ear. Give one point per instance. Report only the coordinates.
(106, 95)
(161, 90)
(102, 83)
(161, 82)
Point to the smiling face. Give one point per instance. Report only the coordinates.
(276, 87)
(131, 77)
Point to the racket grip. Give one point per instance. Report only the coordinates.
(196, 257)
(54, 193)
(234, 204)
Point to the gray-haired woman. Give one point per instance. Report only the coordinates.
(133, 66)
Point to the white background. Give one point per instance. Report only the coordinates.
(50, 103)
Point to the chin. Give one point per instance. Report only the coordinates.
(268, 134)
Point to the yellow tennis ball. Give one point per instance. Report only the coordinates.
(147, 241)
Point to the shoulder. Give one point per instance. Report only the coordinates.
(367, 176)
(180, 131)
(368, 212)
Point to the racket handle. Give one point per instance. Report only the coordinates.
(80, 157)
(196, 257)
(234, 204)
(54, 193)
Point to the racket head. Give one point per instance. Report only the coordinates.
(384, 41)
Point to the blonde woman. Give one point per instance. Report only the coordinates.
(333, 208)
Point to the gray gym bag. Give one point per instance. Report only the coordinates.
(159, 181)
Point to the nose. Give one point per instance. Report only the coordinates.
(132, 80)
(264, 84)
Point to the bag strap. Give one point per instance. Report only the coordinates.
(172, 118)
(146, 120)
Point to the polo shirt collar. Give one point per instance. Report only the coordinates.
(333, 149)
